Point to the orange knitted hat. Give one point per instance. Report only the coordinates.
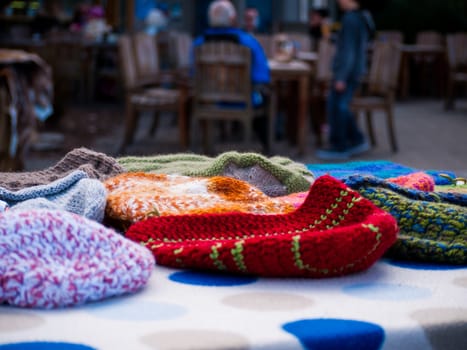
(137, 196)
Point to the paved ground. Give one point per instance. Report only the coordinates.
(428, 136)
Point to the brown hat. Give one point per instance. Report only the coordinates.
(96, 165)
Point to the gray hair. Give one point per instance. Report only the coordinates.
(221, 13)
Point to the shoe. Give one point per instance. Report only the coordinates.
(332, 154)
(358, 149)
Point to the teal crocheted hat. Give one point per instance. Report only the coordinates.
(433, 225)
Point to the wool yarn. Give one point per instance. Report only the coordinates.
(136, 196)
(379, 168)
(75, 193)
(52, 258)
(96, 165)
(275, 176)
(433, 225)
(334, 232)
(418, 181)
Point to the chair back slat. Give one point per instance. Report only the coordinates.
(146, 56)
(127, 62)
(384, 69)
(182, 46)
(456, 45)
(222, 73)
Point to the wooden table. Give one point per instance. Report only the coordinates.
(307, 56)
(410, 51)
(300, 72)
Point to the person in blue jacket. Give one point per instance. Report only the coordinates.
(222, 18)
(348, 67)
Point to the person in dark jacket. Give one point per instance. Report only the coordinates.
(348, 67)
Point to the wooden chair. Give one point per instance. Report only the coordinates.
(6, 162)
(71, 77)
(430, 68)
(223, 89)
(456, 46)
(320, 87)
(382, 84)
(143, 91)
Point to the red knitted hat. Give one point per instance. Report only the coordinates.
(334, 232)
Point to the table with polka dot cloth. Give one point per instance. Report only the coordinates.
(393, 305)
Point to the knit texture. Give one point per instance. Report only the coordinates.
(334, 232)
(136, 196)
(51, 259)
(275, 176)
(75, 193)
(433, 226)
(378, 168)
(417, 181)
(95, 165)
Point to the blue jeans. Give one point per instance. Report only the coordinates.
(344, 131)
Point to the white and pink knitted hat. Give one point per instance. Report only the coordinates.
(53, 258)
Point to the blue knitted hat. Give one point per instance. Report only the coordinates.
(75, 193)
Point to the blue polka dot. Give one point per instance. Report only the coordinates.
(424, 266)
(386, 291)
(210, 279)
(136, 310)
(334, 334)
(44, 346)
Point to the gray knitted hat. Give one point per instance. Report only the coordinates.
(95, 165)
(75, 193)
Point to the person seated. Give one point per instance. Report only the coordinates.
(222, 18)
(251, 18)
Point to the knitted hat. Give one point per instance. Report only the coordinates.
(379, 168)
(418, 181)
(136, 196)
(433, 225)
(275, 176)
(96, 165)
(74, 193)
(53, 259)
(333, 233)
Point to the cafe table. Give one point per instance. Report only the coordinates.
(393, 305)
(300, 72)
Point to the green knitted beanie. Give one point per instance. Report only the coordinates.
(433, 225)
(275, 176)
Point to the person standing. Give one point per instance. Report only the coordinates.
(349, 65)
